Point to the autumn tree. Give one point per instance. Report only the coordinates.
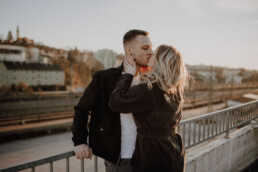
(93, 64)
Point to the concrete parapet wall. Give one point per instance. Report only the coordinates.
(225, 154)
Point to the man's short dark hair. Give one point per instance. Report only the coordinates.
(131, 34)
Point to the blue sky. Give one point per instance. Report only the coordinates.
(220, 32)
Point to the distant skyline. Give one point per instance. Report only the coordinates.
(220, 33)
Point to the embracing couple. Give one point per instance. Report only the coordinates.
(134, 110)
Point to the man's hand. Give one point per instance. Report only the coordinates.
(83, 151)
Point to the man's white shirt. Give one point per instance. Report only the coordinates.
(128, 129)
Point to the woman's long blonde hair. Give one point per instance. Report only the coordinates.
(169, 73)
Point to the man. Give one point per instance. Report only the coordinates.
(111, 135)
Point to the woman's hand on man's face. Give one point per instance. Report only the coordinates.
(129, 68)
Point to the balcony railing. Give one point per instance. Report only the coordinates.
(197, 130)
(193, 131)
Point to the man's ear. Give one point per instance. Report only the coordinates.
(129, 54)
(128, 51)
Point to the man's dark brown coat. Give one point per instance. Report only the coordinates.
(105, 128)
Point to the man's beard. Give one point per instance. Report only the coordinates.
(141, 65)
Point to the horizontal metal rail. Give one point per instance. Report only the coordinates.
(46, 160)
(41, 161)
(193, 131)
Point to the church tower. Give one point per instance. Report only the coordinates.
(17, 33)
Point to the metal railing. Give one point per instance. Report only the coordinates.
(197, 130)
(193, 131)
(50, 160)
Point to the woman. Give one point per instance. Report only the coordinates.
(157, 107)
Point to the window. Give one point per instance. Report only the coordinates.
(7, 51)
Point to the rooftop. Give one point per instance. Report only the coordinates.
(31, 66)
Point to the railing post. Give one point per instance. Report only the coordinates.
(51, 166)
(194, 135)
(67, 165)
(82, 165)
(189, 134)
(227, 125)
(184, 138)
(199, 133)
(95, 163)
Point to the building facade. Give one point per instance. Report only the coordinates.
(33, 74)
(12, 53)
(107, 57)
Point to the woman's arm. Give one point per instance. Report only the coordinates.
(126, 99)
